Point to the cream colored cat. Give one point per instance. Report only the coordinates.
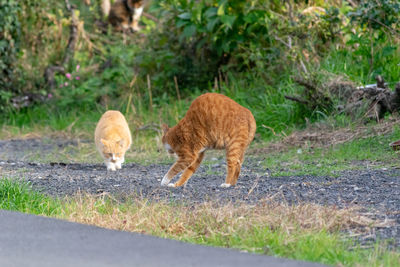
(113, 138)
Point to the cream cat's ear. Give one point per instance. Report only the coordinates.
(165, 128)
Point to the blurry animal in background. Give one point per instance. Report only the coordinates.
(113, 138)
(125, 14)
(213, 121)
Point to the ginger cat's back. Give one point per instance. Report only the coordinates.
(216, 118)
(212, 121)
(113, 138)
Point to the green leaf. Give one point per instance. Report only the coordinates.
(189, 31)
(211, 24)
(388, 51)
(212, 11)
(186, 16)
(221, 9)
(228, 20)
(181, 23)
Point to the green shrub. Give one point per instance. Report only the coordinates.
(199, 40)
(9, 47)
(375, 40)
(19, 196)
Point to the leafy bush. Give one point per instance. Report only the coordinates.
(375, 29)
(9, 46)
(199, 40)
(377, 14)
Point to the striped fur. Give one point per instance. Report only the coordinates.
(213, 121)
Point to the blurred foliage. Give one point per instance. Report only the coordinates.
(249, 50)
(377, 14)
(199, 39)
(9, 45)
(375, 32)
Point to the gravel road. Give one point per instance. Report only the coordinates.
(378, 191)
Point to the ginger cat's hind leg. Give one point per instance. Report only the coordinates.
(235, 177)
(234, 160)
(189, 171)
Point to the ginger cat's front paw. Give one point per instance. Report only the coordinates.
(164, 181)
(225, 185)
(171, 185)
(118, 165)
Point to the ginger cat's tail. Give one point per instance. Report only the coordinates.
(252, 129)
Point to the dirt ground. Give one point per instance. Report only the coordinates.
(377, 192)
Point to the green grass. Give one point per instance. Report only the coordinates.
(356, 154)
(17, 196)
(207, 225)
(323, 247)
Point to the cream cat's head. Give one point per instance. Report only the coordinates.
(113, 151)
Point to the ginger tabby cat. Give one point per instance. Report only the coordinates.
(213, 121)
(113, 138)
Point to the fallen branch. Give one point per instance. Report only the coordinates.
(147, 15)
(376, 98)
(297, 99)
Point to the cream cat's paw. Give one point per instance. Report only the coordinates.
(171, 185)
(110, 166)
(118, 165)
(225, 185)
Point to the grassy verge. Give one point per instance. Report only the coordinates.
(372, 151)
(20, 197)
(305, 232)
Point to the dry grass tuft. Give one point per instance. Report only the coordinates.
(210, 219)
(323, 135)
